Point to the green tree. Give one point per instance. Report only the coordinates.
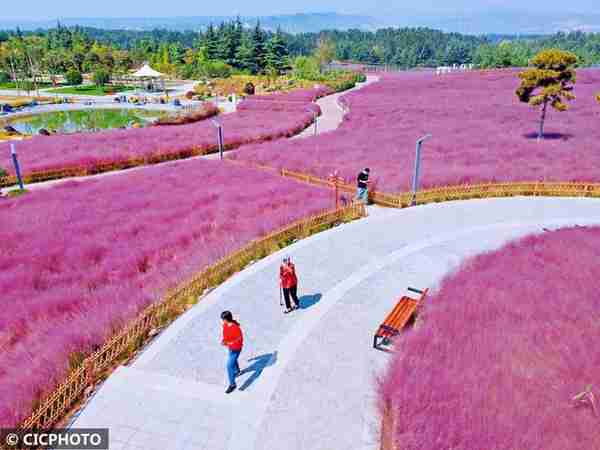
(211, 42)
(74, 77)
(276, 55)
(101, 77)
(258, 47)
(215, 69)
(306, 68)
(549, 82)
(325, 52)
(244, 55)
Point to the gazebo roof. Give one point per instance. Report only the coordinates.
(147, 72)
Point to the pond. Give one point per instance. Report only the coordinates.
(88, 120)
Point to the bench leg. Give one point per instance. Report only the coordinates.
(375, 341)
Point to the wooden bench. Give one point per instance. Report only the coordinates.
(398, 318)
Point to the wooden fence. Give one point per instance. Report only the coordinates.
(458, 192)
(58, 403)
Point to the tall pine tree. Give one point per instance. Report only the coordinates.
(258, 44)
(276, 54)
(245, 56)
(211, 42)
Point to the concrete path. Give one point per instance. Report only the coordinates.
(308, 377)
(175, 89)
(332, 112)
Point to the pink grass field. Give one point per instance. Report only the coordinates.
(79, 259)
(481, 133)
(255, 122)
(501, 350)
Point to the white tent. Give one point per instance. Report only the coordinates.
(149, 78)
(147, 72)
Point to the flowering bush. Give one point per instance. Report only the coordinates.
(505, 352)
(206, 111)
(105, 249)
(481, 133)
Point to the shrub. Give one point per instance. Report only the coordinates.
(208, 110)
(216, 69)
(4, 77)
(306, 68)
(189, 95)
(249, 89)
(74, 77)
(3, 175)
(101, 77)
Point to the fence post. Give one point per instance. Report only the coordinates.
(90, 369)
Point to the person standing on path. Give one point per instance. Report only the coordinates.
(362, 190)
(233, 339)
(289, 282)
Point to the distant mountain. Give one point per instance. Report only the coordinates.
(499, 21)
(296, 23)
(505, 22)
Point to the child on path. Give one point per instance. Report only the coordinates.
(289, 282)
(233, 339)
(362, 186)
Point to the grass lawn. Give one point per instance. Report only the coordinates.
(91, 89)
(12, 85)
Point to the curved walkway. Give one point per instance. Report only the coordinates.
(332, 114)
(331, 118)
(309, 377)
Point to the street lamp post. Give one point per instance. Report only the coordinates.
(13, 153)
(219, 137)
(415, 183)
(315, 118)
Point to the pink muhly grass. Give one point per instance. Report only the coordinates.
(105, 249)
(281, 116)
(504, 352)
(481, 133)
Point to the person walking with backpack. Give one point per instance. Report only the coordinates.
(362, 186)
(233, 339)
(289, 283)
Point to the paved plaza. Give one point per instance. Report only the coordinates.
(308, 378)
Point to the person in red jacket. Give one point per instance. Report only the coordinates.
(233, 339)
(289, 282)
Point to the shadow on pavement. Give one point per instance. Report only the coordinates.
(306, 301)
(260, 364)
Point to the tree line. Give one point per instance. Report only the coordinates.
(231, 47)
(70, 52)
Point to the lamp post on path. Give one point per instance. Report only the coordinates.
(315, 118)
(415, 183)
(13, 153)
(219, 128)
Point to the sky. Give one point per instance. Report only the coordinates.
(44, 10)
